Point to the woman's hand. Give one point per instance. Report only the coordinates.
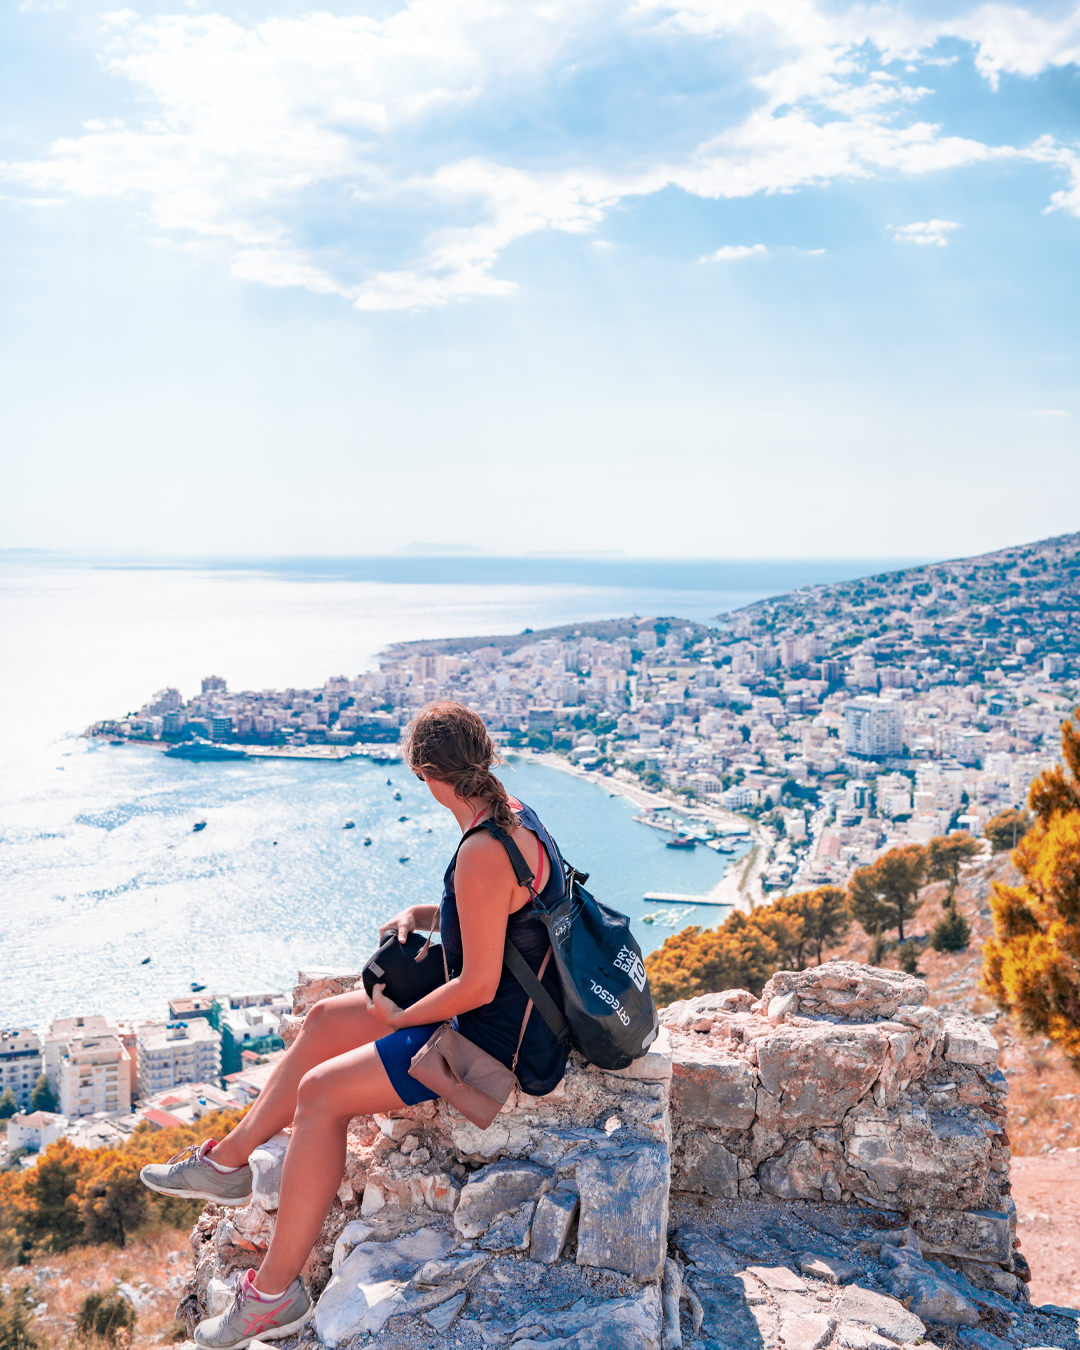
(385, 1009)
(405, 923)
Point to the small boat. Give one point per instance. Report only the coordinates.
(389, 783)
(681, 841)
(197, 988)
(349, 825)
(402, 818)
(405, 859)
(397, 796)
(145, 961)
(199, 825)
(367, 840)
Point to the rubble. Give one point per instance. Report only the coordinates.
(830, 1171)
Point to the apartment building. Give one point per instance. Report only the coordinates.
(88, 1065)
(20, 1063)
(873, 727)
(173, 1053)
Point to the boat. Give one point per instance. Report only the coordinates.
(389, 783)
(681, 841)
(200, 749)
(367, 840)
(397, 796)
(405, 859)
(197, 988)
(349, 825)
(199, 825)
(401, 819)
(145, 961)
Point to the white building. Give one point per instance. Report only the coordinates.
(873, 727)
(36, 1131)
(88, 1066)
(20, 1063)
(172, 1053)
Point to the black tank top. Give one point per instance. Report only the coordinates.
(496, 1025)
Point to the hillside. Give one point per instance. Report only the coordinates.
(1044, 1096)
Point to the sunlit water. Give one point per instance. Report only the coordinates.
(99, 864)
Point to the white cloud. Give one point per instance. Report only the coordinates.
(1049, 412)
(935, 232)
(250, 129)
(732, 252)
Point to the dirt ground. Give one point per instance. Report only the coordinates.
(1044, 1089)
(1046, 1191)
(152, 1270)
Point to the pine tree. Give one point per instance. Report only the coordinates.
(1032, 963)
(952, 932)
(42, 1098)
(887, 892)
(8, 1104)
(1006, 829)
(946, 854)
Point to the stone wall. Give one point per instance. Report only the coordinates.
(839, 1092)
(840, 1084)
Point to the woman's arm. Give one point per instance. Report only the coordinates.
(485, 885)
(422, 917)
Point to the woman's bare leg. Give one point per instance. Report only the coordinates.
(353, 1084)
(332, 1027)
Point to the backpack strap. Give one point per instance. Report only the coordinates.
(514, 961)
(545, 1004)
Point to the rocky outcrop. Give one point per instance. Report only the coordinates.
(824, 1166)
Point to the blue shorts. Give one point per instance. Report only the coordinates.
(396, 1052)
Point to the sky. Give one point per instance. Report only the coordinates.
(681, 278)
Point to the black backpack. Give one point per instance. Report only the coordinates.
(610, 1017)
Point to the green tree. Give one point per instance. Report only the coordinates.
(1006, 829)
(826, 916)
(8, 1104)
(115, 1204)
(952, 932)
(51, 1220)
(42, 1098)
(15, 1308)
(908, 955)
(887, 892)
(946, 854)
(105, 1316)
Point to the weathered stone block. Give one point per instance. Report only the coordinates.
(370, 1286)
(797, 1174)
(266, 1165)
(624, 1208)
(847, 989)
(713, 1089)
(809, 1332)
(554, 1217)
(704, 1164)
(880, 1313)
(969, 1042)
(496, 1190)
(925, 1293)
(824, 1267)
(815, 1075)
(978, 1234)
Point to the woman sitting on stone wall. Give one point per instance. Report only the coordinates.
(353, 1054)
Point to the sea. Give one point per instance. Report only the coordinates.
(111, 902)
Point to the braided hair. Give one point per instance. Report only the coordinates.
(451, 743)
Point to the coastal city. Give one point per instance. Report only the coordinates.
(807, 735)
(94, 1082)
(834, 723)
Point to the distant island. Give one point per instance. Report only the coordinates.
(842, 719)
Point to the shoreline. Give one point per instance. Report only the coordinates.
(732, 888)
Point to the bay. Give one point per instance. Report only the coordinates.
(99, 864)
